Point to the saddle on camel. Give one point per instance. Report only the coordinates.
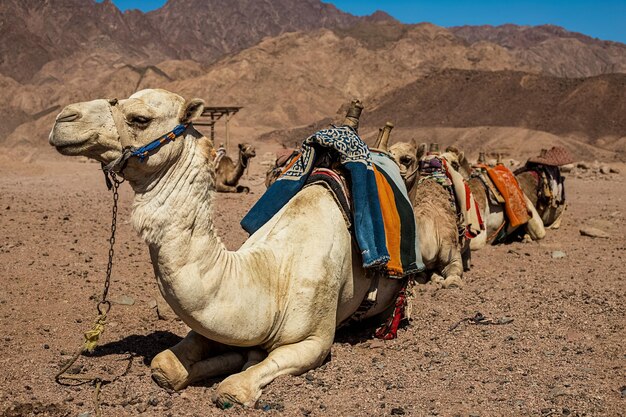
(502, 201)
(367, 186)
(544, 185)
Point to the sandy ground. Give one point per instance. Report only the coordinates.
(563, 353)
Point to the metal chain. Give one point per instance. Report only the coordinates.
(103, 308)
(105, 305)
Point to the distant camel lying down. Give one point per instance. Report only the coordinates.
(541, 180)
(228, 174)
(269, 309)
(493, 214)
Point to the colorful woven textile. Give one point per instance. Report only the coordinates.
(367, 214)
(398, 218)
(514, 201)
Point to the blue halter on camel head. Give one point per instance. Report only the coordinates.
(142, 152)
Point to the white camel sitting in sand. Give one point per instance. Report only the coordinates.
(435, 217)
(269, 309)
(493, 214)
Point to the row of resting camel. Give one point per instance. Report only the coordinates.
(268, 309)
(443, 251)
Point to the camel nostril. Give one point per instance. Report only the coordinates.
(68, 115)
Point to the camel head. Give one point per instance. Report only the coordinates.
(407, 156)
(247, 151)
(102, 129)
(456, 158)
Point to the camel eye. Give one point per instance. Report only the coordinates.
(405, 160)
(140, 121)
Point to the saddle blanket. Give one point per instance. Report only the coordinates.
(380, 217)
(514, 200)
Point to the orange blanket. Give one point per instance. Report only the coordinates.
(514, 201)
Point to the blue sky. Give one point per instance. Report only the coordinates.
(604, 19)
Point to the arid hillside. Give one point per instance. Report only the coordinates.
(558, 51)
(35, 32)
(588, 107)
(512, 112)
(293, 66)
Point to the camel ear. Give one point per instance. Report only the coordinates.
(461, 156)
(421, 150)
(193, 110)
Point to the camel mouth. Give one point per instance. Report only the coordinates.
(73, 148)
(69, 147)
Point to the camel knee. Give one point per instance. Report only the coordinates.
(223, 188)
(168, 371)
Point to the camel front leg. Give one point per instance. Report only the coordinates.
(189, 361)
(534, 227)
(245, 387)
(223, 188)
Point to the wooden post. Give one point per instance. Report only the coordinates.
(212, 128)
(227, 133)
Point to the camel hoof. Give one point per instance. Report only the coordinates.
(436, 279)
(453, 281)
(243, 189)
(230, 393)
(168, 372)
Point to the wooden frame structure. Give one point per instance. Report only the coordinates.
(211, 115)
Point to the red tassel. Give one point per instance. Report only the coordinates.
(390, 329)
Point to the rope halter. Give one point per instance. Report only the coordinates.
(118, 164)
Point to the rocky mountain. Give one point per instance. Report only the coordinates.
(590, 107)
(205, 30)
(290, 64)
(558, 51)
(35, 32)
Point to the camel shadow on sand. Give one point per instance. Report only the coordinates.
(145, 347)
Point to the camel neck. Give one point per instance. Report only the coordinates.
(242, 164)
(172, 213)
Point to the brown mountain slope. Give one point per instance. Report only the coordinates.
(588, 107)
(298, 78)
(557, 51)
(205, 30)
(34, 32)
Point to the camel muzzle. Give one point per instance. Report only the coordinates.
(68, 115)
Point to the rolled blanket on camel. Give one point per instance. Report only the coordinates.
(386, 237)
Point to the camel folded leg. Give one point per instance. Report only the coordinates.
(223, 188)
(452, 271)
(557, 222)
(245, 387)
(189, 361)
(534, 227)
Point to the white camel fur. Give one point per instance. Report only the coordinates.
(269, 309)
